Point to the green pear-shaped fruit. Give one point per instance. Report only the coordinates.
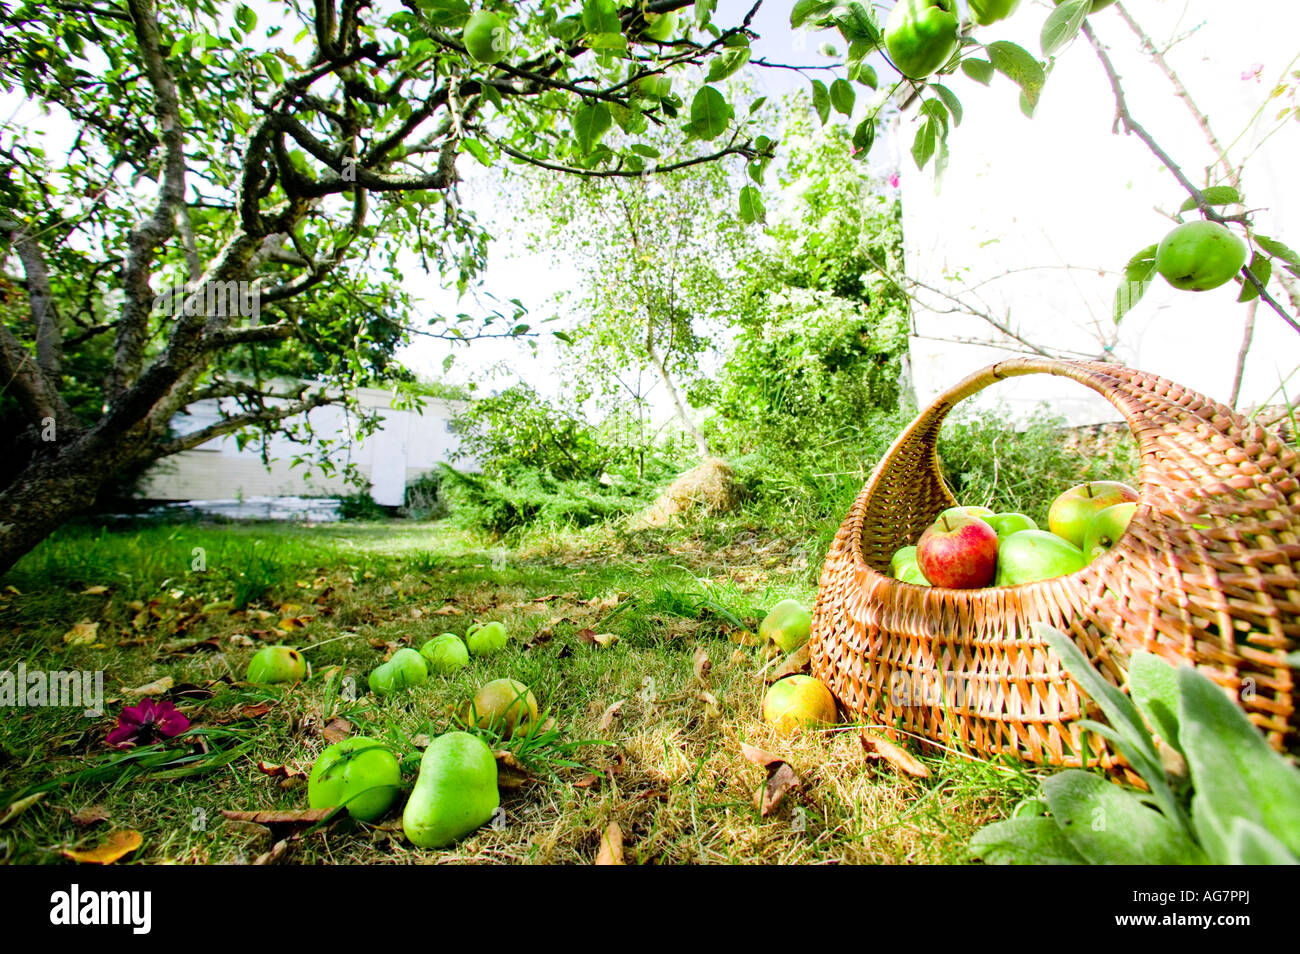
(1005, 524)
(486, 639)
(360, 773)
(1105, 529)
(787, 624)
(445, 653)
(504, 705)
(277, 664)
(486, 38)
(902, 557)
(405, 669)
(455, 793)
(1031, 555)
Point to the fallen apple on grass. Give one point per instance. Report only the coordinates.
(798, 701)
(404, 670)
(504, 705)
(486, 639)
(787, 624)
(445, 653)
(277, 664)
(359, 773)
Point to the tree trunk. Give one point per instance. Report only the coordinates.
(45, 495)
(679, 406)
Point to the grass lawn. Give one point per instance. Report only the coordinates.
(637, 738)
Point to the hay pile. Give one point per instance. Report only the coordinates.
(709, 487)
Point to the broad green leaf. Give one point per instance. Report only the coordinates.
(1248, 844)
(862, 72)
(607, 41)
(933, 109)
(591, 122)
(477, 150)
(642, 149)
(950, 100)
(1261, 266)
(1031, 840)
(805, 10)
(245, 17)
(600, 17)
(751, 205)
(727, 62)
(451, 14)
(842, 96)
(1111, 826)
(821, 100)
(1138, 275)
(1018, 65)
(864, 137)
(856, 24)
(981, 71)
(1283, 253)
(1063, 24)
(710, 113)
(1235, 773)
(1153, 685)
(1214, 195)
(923, 146)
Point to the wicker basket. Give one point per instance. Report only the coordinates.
(1209, 571)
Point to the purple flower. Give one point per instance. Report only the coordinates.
(146, 723)
(893, 180)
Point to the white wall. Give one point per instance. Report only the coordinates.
(406, 445)
(1061, 204)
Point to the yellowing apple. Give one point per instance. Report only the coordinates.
(798, 700)
(787, 624)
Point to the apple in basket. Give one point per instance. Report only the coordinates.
(1073, 510)
(958, 551)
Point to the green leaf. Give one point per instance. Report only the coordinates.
(1153, 686)
(1018, 65)
(710, 113)
(981, 71)
(857, 25)
(450, 14)
(1063, 24)
(1261, 266)
(1138, 275)
(1214, 195)
(950, 100)
(1248, 844)
(600, 17)
(821, 100)
(805, 10)
(926, 141)
(1029, 840)
(477, 150)
(751, 205)
(1281, 252)
(842, 96)
(1235, 773)
(727, 62)
(864, 137)
(862, 72)
(642, 149)
(1111, 826)
(245, 17)
(591, 122)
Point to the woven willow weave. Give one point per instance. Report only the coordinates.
(1209, 571)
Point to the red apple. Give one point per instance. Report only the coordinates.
(958, 551)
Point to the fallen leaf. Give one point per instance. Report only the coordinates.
(20, 806)
(702, 665)
(90, 815)
(796, 662)
(511, 773)
(545, 599)
(94, 590)
(82, 634)
(155, 688)
(275, 854)
(448, 610)
(286, 772)
(607, 718)
(712, 707)
(282, 823)
(758, 756)
(240, 641)
(781, 778)
(587, 781)
(611, 846)
(879, 747)
(744, 637)
(117, 845)
(190, 645)
(337, 730)
(593, 638)
(416, 612)
(738, 657)
(290, 623)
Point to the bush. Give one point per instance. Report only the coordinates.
(424, 497)
(519, 427)
(361, 506)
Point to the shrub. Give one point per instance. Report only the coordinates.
(424, 497)
(360, 506)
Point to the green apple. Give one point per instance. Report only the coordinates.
(486, 38)
(277, 664)
(903, 557)
(1105, 529)
(502, 704)
(912, 574)
(1071, 512)
(455, 792)
(486, 639)
(445, 653)
(1030, 555)
(787, 624)
(1005, 524)
(359, 773)
(796, 701)
(1198, 256)
(985, 12)
(405, 669)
